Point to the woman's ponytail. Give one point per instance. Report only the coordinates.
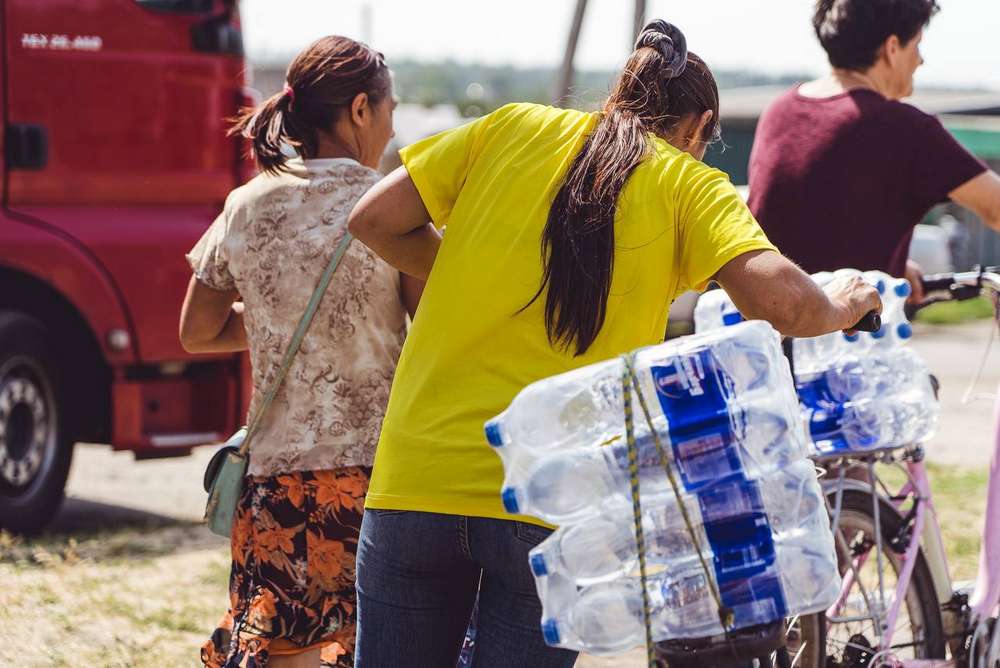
(266, 129)
(578, 242)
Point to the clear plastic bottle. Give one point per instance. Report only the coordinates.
(714, 310)
(569, 485)
(884, 400)
(607, 618)
(604, 546)
(723, 404)
(896, 328)
(683, 381)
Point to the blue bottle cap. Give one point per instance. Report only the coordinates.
(902, 288)
(509, 497)
(732, 318)
(880, 332)
(538, 565)
(904, 330)
(550, 632)
(493, 433)
(851, 338)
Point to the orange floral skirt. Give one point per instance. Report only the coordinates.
(291, 588)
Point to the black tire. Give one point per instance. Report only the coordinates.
(857, 505)
(35, 450)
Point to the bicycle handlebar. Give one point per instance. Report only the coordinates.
(870, 323)
(962, 285)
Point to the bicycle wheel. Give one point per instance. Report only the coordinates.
(849, 639)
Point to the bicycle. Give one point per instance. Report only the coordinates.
(898, 606)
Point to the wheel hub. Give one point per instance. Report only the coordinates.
(25, 427)
(858, 653)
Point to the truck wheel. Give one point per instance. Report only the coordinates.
(35, 451)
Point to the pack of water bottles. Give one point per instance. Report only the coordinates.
(724, 408)
(860, 393)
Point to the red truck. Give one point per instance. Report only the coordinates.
(115, 161)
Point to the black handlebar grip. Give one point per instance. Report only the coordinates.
(870, 323)
(937, 282)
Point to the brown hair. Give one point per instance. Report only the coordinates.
(321, 82)
(660, 85)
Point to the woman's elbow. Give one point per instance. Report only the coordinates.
(362, 222)
(192, 339)
(190, 343)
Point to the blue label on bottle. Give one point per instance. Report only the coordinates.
(691, 388)
(734, 497)
(706, 454)
(743, 551)
(693, 392)
(755, 600)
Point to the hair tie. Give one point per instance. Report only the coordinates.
(290, 92)
(669, 41)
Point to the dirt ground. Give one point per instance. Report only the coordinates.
(128, 577)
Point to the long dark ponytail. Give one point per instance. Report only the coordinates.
(320, 83)
(660, 85)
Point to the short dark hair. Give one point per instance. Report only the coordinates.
(851, 31)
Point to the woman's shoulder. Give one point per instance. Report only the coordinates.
(534, 115)
(665, 159)
(340, 178)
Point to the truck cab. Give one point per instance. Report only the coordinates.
(116, 159)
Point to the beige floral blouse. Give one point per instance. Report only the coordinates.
(272, 242)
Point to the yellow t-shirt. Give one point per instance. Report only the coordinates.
(470, 351)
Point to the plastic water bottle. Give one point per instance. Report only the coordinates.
(884, 400)
(606, 617)
(724, 409)
(715, 309)
(568, 485)
(604, 547)
(681, 381)
(896, 327)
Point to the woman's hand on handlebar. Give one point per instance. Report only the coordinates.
(764, 285)
(854, 298)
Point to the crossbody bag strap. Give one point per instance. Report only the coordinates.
(296, 342)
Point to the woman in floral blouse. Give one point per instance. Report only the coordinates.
(292, 598)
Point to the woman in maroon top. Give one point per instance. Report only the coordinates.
(841, 170)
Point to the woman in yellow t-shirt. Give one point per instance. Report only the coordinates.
(569, 234)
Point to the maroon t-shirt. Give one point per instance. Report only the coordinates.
(841, 181)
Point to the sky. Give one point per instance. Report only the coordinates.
(961, 47)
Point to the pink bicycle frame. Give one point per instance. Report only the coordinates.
(986, 596)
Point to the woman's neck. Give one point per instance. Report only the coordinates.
(840, 81)
(334, 147)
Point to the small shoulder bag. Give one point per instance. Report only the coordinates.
(225, 473)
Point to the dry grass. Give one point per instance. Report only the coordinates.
(148, 594)
(130, 598)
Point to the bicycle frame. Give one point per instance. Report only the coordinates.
(985, 598)
(918, 489)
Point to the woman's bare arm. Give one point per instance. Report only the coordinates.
(211, 320)
(982, 195)
(392, 220)
(765, 285)
(410, 291)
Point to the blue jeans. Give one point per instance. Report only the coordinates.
(418, 574)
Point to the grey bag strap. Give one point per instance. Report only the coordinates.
(296, 342)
